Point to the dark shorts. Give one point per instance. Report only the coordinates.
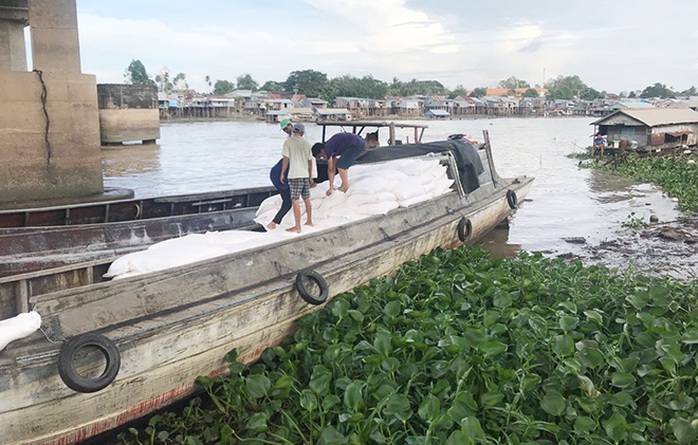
(300, 188)
(350, 155)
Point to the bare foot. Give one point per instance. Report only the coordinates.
(329, 191)
(294, 229)
(271, 225)
(310, 223)
(343, 188)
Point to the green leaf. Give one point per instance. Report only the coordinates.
(393, 309)
(563, 345)
(639, 300)
(257, 385)
(463, 405)
(353, 398)
(490, 399)
(568, 323)
(331, 436)
(320, 380)
(616, 426)
(339, 307)
(329, 401)
(594, 316)
(587, 386)
(539, 325)
(429, 409)
(398, 406)
(684, 432)
(308, 400)
(553, 403)
(591, 357)
(584, 424)
(502, 300)
(471, 426)
(257, 422)
(491, 348)
(690, 337)
(622, 379)
(383, 343)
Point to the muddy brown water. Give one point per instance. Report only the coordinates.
(570, 212)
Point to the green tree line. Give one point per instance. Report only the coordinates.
(314, 83)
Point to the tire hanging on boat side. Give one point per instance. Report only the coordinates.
(302, 287)
(511, 199)
(465, 229)
(78, 382)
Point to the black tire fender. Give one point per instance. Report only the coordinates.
(512, 200)
(465, 229)
(302, 288)
(72, 378)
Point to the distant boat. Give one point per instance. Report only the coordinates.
(112, 351)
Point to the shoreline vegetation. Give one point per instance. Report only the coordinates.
(676, 175)
(458, 348)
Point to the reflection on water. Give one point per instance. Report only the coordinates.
(497, 244)
(565, 201)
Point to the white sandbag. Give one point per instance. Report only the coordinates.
(269, 203)
(414, 200)
(377, 208)
(408, 189)
(371, 185)
(17, 327)
(439, 186)
(417, 167)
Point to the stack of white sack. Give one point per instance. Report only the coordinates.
(374, 189)
(17, 327)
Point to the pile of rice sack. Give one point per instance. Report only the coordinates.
(374, 189)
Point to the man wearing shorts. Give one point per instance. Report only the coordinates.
(347, 147)
(297, 160)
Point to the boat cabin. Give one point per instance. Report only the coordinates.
(358, 127)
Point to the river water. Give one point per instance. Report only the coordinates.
(568, 210)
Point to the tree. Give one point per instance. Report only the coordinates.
(351, 86)
(308, 82)
(180, 81)
(164, 81)
(479, 92)
(569, 88)
(223, 87)
(246, 82)
(530, 93)
(207, 79)
(458, 91)
(658, 90)
(690, 92)
(416, 87)
(136, 74)
(513, 83)
(273, 86)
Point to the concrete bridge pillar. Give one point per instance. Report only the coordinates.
(49, 120)
(14, 16)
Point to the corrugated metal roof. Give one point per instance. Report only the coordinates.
(657, 116)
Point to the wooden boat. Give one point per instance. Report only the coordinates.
(38, 238)
(113, 351)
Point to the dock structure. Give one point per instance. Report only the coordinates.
(128, 113)
(49, 123)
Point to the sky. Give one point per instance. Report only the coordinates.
(612, 45)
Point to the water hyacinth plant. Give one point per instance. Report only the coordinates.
(458, 348)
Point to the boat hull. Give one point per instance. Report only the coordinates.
(167, 335)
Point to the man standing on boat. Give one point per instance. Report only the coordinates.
(287, 127)
(281, 184)
(298, 162)
(347, 147)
